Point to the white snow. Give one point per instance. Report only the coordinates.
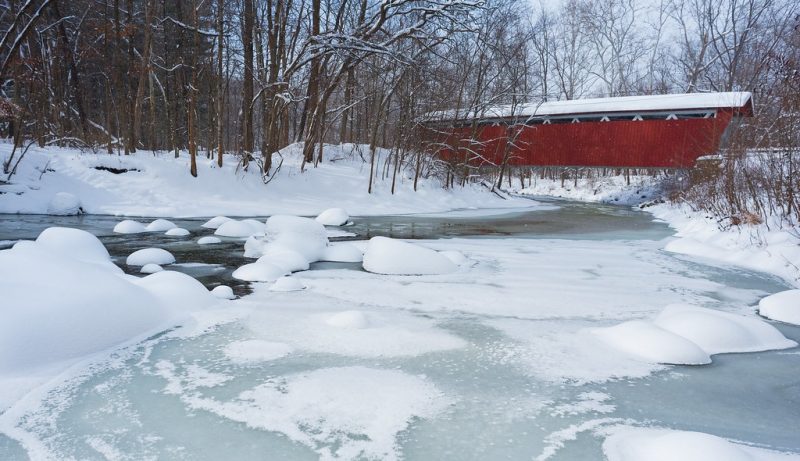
(333, 217)
(721, 332)
(255, 351)
(259, 272)
(652, 444)
(456, 257)
(303, 235)
(390, 256)
(288, 259)
(223, 292)
(341, 413)
(783, 307)
(150, 255)
(653, 344)
(76, 244)
(64, 204)
(129, 226)
(208, 240)
(151, 268)
(177, 290)
(342, 252)
(177, 232)
(215, 222)
(160, 225)
(239, 229)
(349, 319)
(287, 284)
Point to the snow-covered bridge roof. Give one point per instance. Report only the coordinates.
(623, 104)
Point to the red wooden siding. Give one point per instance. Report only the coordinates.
(626, 143)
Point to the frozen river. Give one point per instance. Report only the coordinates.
(496, 361)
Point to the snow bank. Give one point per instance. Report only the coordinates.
(721, 332)
(223, 292)
(150, 256)
(177, 290)
(259, 272)
(129, 227)
(783, 307)
(341, 413)
(333, 217)
(76, 244)
(256, 351)
(160, 225)
(303, 235)
(215, 222)
(239, 229)
(349, 319)
(342, 252)
(177, 232)
(650, 444)
(653, 344)
(389, 256)
(208, 240)
(64, 204)
(287, 284)
(151, 268)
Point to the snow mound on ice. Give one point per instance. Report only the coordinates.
(56, 308)
(456, 257)
(208, 240)
(76, 244)
(303, 235)
(256, 350)
(349, 319)
(160, 225)
(151, 268)
(719, 332)
(129, 226)
(333, 217)
(287, 284)
(150, 255)
(342, 413)
(64, 204)
(177, 232)
(652, 344)
(259, 272)
(177, 290)
(389, 256)
(223, 292)
(215, 222)
(286, 258)
(649, 444)
(239, 229)
(783, 307)
(343, 253)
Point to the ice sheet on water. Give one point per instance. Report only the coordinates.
(256, 351)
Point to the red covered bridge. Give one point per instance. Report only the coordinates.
(662, 131)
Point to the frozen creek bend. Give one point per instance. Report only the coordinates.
(495, 361)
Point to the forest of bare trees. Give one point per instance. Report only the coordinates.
(249, 77)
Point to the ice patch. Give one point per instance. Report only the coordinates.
(349, 319)
(783, 307)
(389, 256)
(587, 402)
(150, 256)
(333, 217)
(255, 351)
(129, 226)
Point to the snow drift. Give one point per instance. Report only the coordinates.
(389, 256)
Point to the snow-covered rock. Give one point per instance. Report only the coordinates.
(389, 256)
(129, 226)
(259, 272)
(652, 343)
(177, 290)
(223, 292)
(151, 268)
(355, 320)
(719, 332)
(651, 444)
(215, 222)
(64, 204)
(783, 307)
(303, 235)
(208, 240)
(150, 255)
(160, 225)
(76, 244)
(333, 217)
(177, 232)
(287, 284)
(239, 229)
(342, 252)
(288, 259)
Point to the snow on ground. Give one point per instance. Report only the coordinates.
(160, 185)
(607, 189)
(391, 256)
(626, 443)
(783, 306)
